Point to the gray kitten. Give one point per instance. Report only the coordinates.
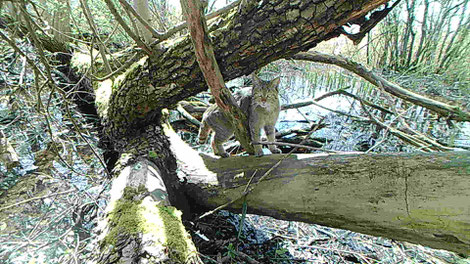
(262, 109)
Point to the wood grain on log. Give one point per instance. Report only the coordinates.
(422, 198)
(415, 197)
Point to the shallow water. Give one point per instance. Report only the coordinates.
(345, 135)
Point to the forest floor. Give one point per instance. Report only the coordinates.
(268, 240)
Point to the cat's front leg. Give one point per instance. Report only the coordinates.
(255, 131)
(271, 135)
(221, 134)
(218, 148)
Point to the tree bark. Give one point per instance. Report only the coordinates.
(130, 105)
(417, 197)
(142, 222)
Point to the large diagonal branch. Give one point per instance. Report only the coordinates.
(242, 43)
(450, 111)
(205, 57)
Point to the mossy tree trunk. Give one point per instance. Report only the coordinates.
(141, 223)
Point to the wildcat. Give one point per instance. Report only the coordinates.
(262, 109)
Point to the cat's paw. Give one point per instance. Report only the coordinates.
(275, 150)
(224, 155)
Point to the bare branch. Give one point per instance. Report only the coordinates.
(183, 25)
(450, 111)
(187, 115)
(205, 56)
(129, 8)
(126, 28)
(102, 49)
(292, 145)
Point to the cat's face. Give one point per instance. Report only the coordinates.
(265, 92)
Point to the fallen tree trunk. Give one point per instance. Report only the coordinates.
(422, 198)
(141, 223)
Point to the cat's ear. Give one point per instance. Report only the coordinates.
(256, 80)
(275, 83)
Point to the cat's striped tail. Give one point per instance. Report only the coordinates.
(204, 131)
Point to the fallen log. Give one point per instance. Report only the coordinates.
(421, 198)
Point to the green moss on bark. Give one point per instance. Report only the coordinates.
(145, 218)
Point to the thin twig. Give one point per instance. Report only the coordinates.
(123, 67)
(15, 47)
(91, 23)
(38, 44)
(78, 130)
(49, 82)
(233, 201)
(291, 145)
(184, 25)
(128, 7)
(35, 198)
(423, 143)
(126, 28)
(452, 111)
(187, 115)
(358, 118)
